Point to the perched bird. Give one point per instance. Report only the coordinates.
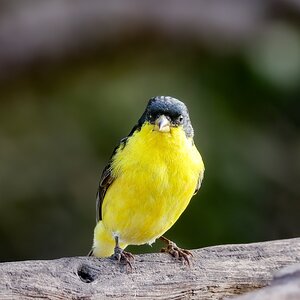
(149, 181)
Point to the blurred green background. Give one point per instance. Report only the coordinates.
(75, 78)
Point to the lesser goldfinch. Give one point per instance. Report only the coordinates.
(149, 181)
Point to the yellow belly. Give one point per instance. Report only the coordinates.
(156, 176)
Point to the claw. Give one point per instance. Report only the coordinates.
(123, 257)
(176, 252)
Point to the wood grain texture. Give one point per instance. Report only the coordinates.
(217, 272)
(285, 286)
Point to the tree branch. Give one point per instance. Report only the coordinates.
(217, 272)
(285, 286)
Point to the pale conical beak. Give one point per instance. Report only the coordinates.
(162, 124)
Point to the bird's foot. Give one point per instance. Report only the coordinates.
(123, 257)
(176, 252)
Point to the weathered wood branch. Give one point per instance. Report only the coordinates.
(285, 286)
(217, 272)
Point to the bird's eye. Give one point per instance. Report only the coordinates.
(180, 119)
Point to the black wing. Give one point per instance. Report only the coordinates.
(199, 182)
(106, 180)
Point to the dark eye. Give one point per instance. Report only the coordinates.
(180, 119)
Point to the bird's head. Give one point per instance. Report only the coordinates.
(165, 113)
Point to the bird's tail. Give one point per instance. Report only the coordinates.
(104, 242)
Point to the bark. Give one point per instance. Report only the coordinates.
(216, 272)
(285, 286)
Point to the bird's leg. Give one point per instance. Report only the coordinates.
(122, 256)
(175, 251)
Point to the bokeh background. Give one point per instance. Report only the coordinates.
(76, 75)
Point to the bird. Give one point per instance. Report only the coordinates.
(148, 182)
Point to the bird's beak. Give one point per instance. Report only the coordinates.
(162, 124)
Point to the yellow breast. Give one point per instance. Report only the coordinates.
(156, 176)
